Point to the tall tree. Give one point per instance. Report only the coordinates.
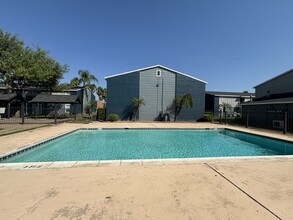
(10, 56)
(137, 103)
(225, 106)
(75, 82)
(102, 93)
(93, 88)
(62, 87)
(22, 67)
(179, 102)
(90, 106)
(86, 78)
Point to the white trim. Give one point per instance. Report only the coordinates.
(158, 73)
(156, 66)
(234, 96)
(274, 78)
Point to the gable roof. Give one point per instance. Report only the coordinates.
(61, 99)
(7, 97)
(231, 94)
(151, 67)
(288, 71)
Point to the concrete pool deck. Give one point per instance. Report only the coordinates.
(207, 189)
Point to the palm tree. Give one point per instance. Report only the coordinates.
(93, 88)
(102, 93)
(179, 102)
(137, 104)
(86, 78)
(89, 107)
(225, 106)
(75, 82)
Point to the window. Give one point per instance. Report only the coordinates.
(67, 108)
(158, 73)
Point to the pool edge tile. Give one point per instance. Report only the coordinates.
(173, 161)
(152, 162)
(62, 164)
(90, 163)
(131, 162)
(25, 165)
(103, 163)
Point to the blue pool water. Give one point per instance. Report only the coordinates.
(152, 144)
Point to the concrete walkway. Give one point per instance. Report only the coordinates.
(217, 189)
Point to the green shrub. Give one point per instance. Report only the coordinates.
(113, 117)
(101, 114)
(208, 116)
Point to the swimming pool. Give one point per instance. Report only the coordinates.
(125, 144)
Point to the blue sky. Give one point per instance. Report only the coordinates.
(232, 44)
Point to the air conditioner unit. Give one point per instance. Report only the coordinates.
(278, 124)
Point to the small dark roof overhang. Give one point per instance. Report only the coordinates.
(271, 102)
(231, 94)
(58, 99)
(7, 97)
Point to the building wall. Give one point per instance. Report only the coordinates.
(120, 91)
(157, 92)
(88, 96)
(77, 108)
(197, 90)
(263, 116)
(282, 84)
(209, 103)
(216, 105)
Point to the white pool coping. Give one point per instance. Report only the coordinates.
(134, 162)
(143, 162)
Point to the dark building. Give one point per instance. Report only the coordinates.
(85, 96)
(11, 106)
(215, 99)
(273, 105)
(158, 86)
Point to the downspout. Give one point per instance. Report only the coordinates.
(162, 100)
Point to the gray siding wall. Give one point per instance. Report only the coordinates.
(78, 107)
(282, 84)
(87, 98)
(120, 91)
(84, 97)
(197, 90)
(157, 92)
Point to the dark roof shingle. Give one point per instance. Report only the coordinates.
(61, 99)
(7, 97)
